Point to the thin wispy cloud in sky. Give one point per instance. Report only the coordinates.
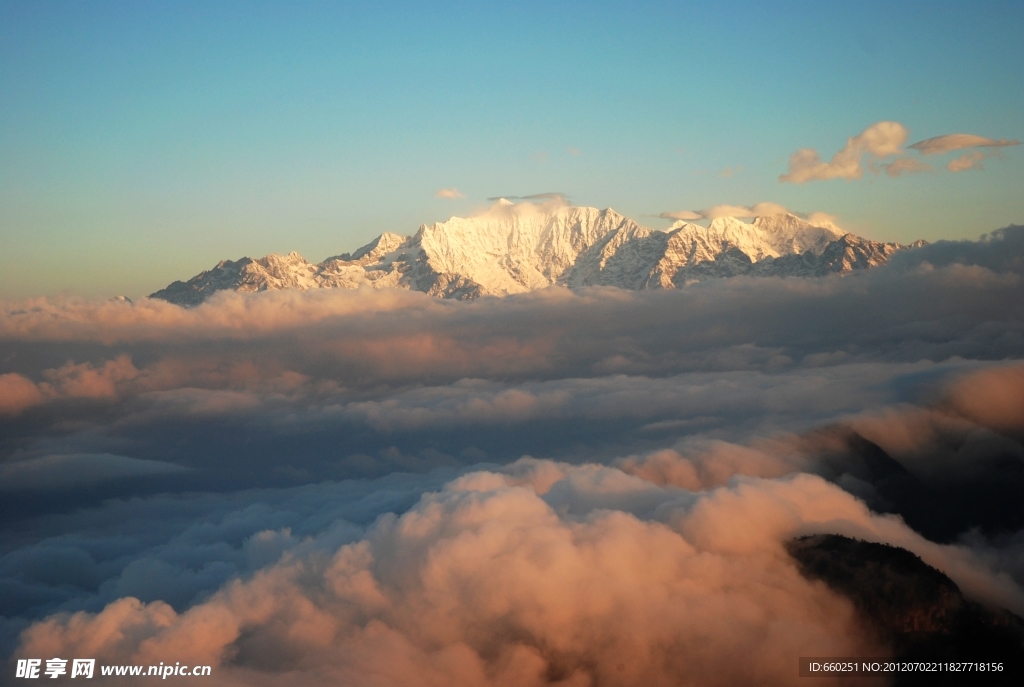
(944, 144)
(905, 165)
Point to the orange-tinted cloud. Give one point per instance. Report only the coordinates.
(966, 162)
(484, 583)
(992, 398)
(711, 466)
(86, 381)
(879, 140)
(18, 393)
(68, 381)
(531, 576)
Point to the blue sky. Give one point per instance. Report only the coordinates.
(142, 142)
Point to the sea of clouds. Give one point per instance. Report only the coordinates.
(578, 488)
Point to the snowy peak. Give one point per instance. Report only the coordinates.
(788, 234)
(375, 250)
(513, 248)
(766, 237)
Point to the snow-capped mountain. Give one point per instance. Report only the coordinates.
(514, 248)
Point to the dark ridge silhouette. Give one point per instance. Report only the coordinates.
(914, 608)
(986, 499)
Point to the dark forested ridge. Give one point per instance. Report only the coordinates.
(913, 607)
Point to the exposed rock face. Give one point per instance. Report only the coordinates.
(517, 248)
(913, 607)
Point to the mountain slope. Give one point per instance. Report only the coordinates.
(912, 607)
(513, 248)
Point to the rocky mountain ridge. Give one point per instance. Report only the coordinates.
(513, 248)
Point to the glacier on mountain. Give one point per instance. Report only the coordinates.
(513, 248)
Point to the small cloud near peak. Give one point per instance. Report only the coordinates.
(551, 195)
(821, 219)
(688, 215)
(758, 210)
(519, 205)
(449, 193)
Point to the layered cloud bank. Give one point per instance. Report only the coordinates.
(539, 573)
(328, 487)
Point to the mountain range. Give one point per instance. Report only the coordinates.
(513, 248)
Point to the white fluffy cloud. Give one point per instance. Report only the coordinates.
(821, 219)
(449, 193)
